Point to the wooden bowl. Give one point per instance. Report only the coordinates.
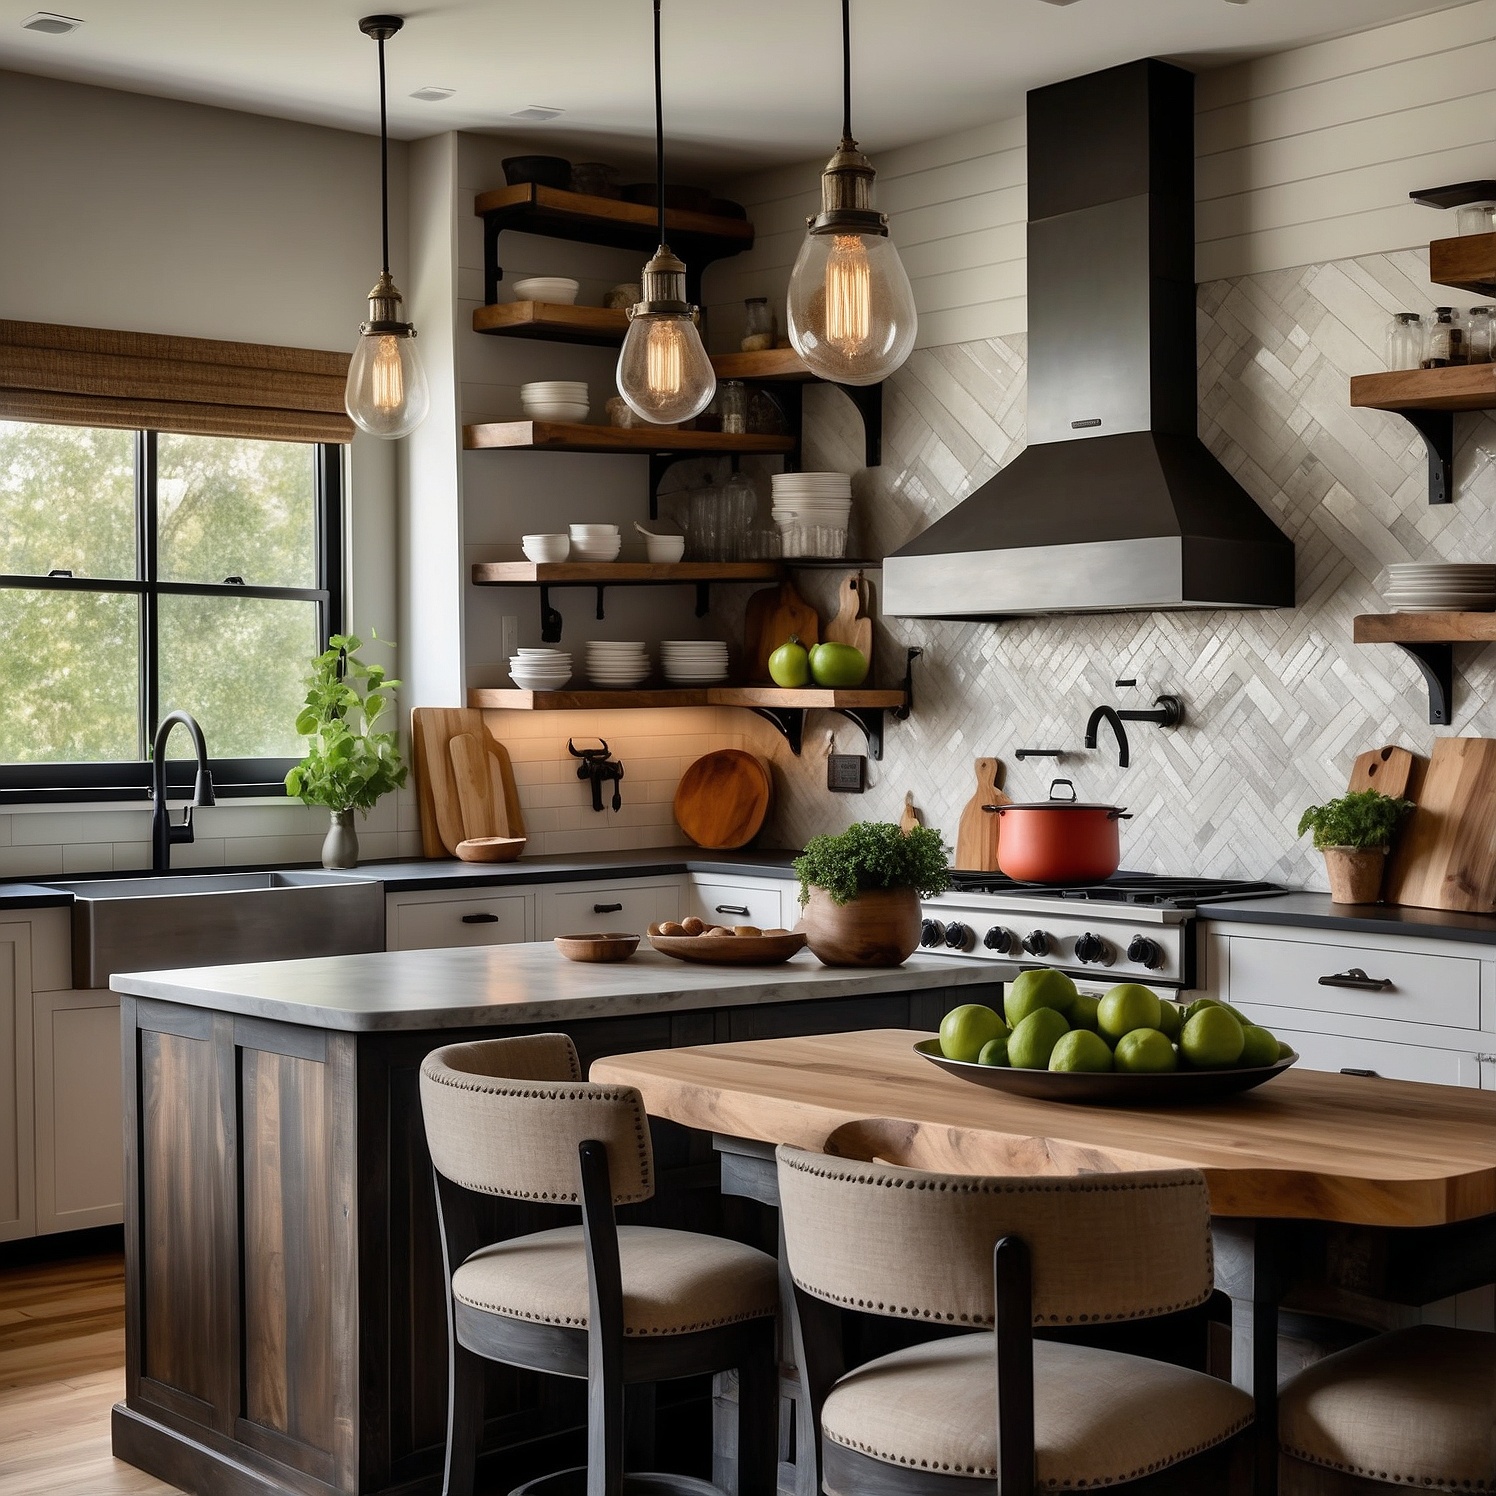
(491, 848)
(611, 946)
(731, 950)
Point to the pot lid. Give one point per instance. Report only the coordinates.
(1058, 801)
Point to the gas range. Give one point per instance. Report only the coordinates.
(1133, 927)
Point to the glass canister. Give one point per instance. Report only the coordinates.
(739, 509)
(1405, 341)
(704, 525)
(1444, 339)
(1480, 335)
(732, 406)
(758, 325)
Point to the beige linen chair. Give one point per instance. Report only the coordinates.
(618, 1305)
(1415, 1407)
(997, 1411)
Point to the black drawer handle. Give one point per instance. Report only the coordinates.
(1358, 979)
(606, 908)
(480, 919)
(733, 909)
(1366, 1074)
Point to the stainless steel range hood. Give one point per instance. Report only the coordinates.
(1115, 504)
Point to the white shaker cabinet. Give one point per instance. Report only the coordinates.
(631, 904)
(434, 918)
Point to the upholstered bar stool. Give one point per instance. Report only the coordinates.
(1415, 1407)
(616, 1304)
(998, 1411)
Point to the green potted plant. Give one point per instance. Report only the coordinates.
(349, 764)
(861, 891)
(1355, 833)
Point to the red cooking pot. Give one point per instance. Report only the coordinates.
(1059, 840)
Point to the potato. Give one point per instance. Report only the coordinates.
(719, 930)
(657, 928)
(746, 930)
(670, 927)
(693, 926)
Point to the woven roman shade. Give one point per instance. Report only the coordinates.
(86, 376)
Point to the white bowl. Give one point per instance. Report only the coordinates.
(554, 387)
(665, 548)
(583, 551)
(580, 532)
(564, 412)
(557, 288)
(546, 547)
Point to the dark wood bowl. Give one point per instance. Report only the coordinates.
(609, 946)
(731, 950)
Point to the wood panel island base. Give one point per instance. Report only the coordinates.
(285, 1311)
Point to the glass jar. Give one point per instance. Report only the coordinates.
(704, 525)
(1405, 341)
(758, 325)
(739, 510)
(1480, 335)
(1476, 218)
(1444, 339)
(732, 406)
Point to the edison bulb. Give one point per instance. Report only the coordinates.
(851, 308)
(387, 393)
(663, 371)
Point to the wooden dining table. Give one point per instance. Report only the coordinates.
(1372, 1189)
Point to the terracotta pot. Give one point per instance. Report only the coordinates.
(1355, 873)
(1058, 840)
(877, 928)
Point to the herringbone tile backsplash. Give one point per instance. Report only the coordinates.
(1277, 703)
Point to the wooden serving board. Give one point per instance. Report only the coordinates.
(853, 623)
(1446, 858)
(1391, 770)
(482, 810)
(723, 799)
(431, 731)
(773, 616)
(976, 836)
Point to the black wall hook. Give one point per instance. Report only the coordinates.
(597, 766)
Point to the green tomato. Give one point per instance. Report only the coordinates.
(838, 665)
(789, 665)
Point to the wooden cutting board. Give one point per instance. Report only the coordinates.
(910, 817)
(482, 809)
(976, 836)
(431, 730)
(1393, 771)
(853, 623)
(723, 799)
(774, 615)
(1446, 857)
(501, 766)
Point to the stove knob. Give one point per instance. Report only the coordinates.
(1036, 943)
(1146, 952)
(931, 933)
(958, 936)
(999, 940)
(1091, 948)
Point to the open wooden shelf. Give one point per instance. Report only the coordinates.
(612, 573)
(1467, 263)
(565, 436)
(1429, 639)
(608, 220)
(772, 366)
(808, 696)
(553, 322)
(1460, 387)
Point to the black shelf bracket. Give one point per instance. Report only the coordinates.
(870, 720)
(787, 721)
(1436, 427)
(703, 599)
(550, 617)
(1436, 664)
(868, 398)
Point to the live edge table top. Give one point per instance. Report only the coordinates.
(1308, 1145)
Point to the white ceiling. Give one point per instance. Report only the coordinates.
(748, 84)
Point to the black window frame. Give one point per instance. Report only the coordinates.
(29, 784)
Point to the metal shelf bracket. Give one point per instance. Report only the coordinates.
(1436, 427)
(868, 398)
(550, 617)
(1436, 664)
(787, 721)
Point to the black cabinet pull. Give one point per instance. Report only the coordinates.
(480, 919)
(733, 909)
(606, 908)
(1357, 979)
(1351, 1070)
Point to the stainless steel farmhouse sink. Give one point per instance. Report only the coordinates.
(214, 919)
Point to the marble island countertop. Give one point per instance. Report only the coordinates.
(501, 985)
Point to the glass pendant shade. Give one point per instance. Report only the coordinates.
(851, 308)
(387, 392)
(663, 371)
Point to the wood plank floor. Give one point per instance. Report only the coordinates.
(62, 1367)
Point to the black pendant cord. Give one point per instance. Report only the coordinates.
(659, 128)
(846, 69)
(384, 162)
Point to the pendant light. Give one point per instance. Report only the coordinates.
(387, 394)
(663, 371)
(851, 309)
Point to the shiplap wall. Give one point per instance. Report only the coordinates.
(1303, 156)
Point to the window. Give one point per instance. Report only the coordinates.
(144, 571)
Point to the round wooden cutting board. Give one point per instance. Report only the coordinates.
(723, 799)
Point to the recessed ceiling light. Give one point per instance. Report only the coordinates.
(537, 111)
(50, 24)
(433, 94)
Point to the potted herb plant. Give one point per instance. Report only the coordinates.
(861, 892)
(1355, 832)
(349, 765)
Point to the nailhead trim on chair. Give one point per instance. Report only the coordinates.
(572, 1322)
(977, 1185)
(1390, 1478)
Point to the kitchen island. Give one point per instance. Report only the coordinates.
(285, 1312)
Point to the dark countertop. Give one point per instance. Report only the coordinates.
(1315, 911)
(34, 896)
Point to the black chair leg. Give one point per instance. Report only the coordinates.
(464, 1420)
(639, 1426)
(758, 1414)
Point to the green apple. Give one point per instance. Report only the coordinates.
(965, 1031)
(1032, 1042)
(789, 665)
(1126, 1007)
(1039, 987)
(1082, 1050)
(837, 665)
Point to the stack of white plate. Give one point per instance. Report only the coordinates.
(694, 662)
(595, 542)
(1440, 587)
(540, 669)
(617, 665)
(555, 400)
(809, 505)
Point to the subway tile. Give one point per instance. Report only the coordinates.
(59, 826)
(30, 861)
(88, 857)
